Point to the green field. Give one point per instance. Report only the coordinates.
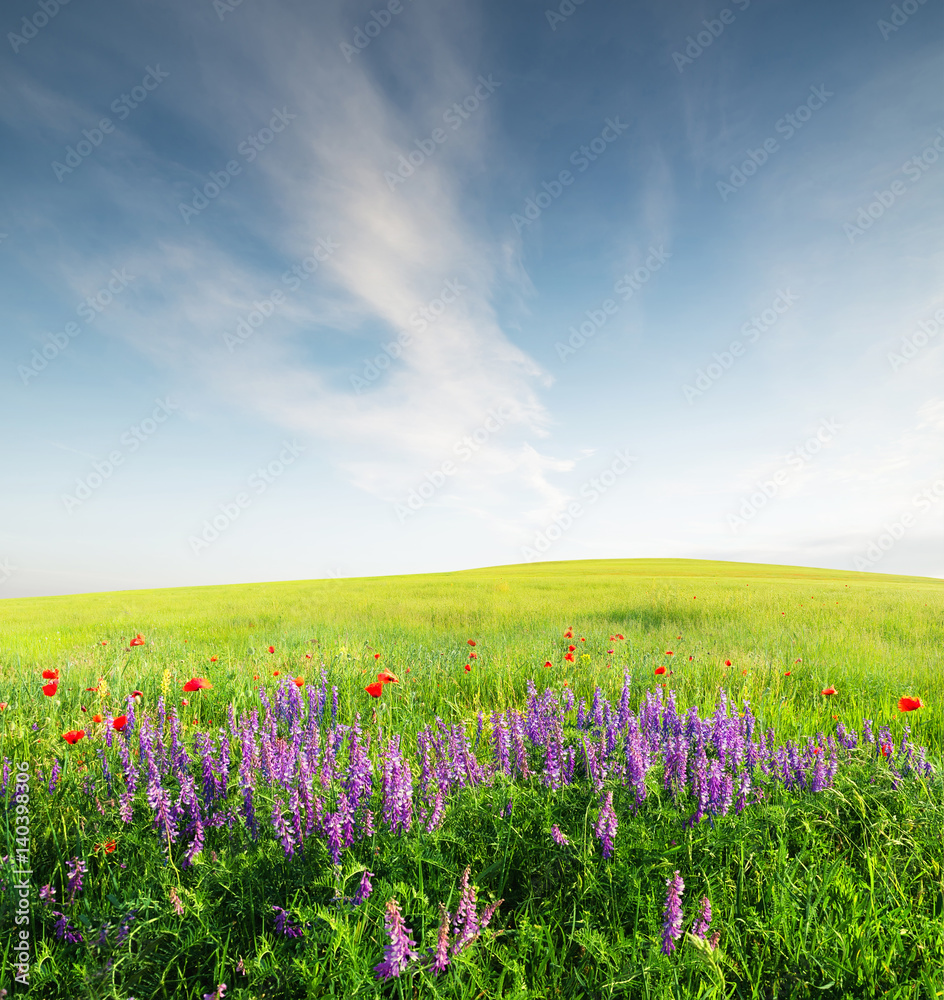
(832, 893)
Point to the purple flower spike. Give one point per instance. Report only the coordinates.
(703, 922)
(363, 890)
(672, 920)
(559, 838)
(605, 828)
(441, 955)
(400, 952)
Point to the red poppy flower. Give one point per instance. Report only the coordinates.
(50, 689)
(272, 649)
(104, 642)
(3, 705)
(374, 690)
(828, 691)
(376, 656)
(473, 656)
(120, 722)
(468, 667)
(547, 663)
(787, 674)
(255, 677)
(196, 683)
(668, 652)
(51, 675)
(308, 656)
(183, 701)
(213, 659)
(886, 749)
(471, 642)
(570, 649)
(275, 673)
(909, 704)
(299, 681)
(660, 670)
(108, 847)
(569, 634)
(73, 736)
(727, 663)
(618, 636)
(387, 678)
(87, 690)
(691, 658)
(569, 657)
(96, 718)
(138, 640)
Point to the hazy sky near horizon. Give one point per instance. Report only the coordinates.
(294, 290)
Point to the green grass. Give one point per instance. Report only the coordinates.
(839, 894)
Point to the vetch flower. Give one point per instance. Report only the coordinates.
(559, 838)
(400, 952)
(703, 921)
(672, 916)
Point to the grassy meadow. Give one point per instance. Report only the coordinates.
(834, 891)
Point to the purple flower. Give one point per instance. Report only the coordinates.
(465, 923)
(77, 869)
(363, 890)
(703, 921)
(47, 894)
(672, 918)
(559, 838)
(124, 928)
(217, 994)
(64, 930)
(400, 951)
(285, 924)
(441, 954)
(606, 824)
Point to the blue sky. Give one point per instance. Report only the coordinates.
(294, 290)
